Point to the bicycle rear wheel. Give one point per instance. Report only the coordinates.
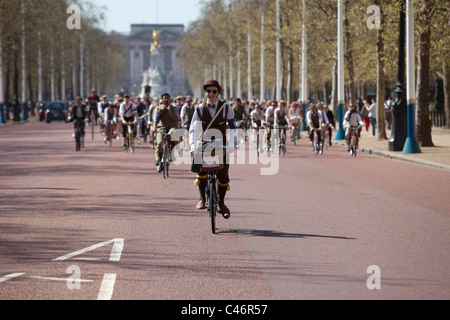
(353, 146)
(212, 205)
(77, 140)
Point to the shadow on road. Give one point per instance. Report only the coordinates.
(279, 234)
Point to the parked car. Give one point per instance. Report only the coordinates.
(58, 110)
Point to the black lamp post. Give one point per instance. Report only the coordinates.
(399, 112)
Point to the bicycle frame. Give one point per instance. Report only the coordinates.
(166, 151)
(211, 192)
(354, 140)
(282, 133)
(316, 145)
(78, 135)
(130, 137)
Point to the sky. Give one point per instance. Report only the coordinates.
(120, 14)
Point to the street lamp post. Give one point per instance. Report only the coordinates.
(399, 116)
(304, 88)
(340, 134)
(411, 144)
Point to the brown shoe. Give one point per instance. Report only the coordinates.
(223, 209)
(201, 205)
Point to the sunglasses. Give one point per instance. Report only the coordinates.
(213, 91)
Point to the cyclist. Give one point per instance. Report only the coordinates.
(295, 118)
(352, 118)
(93, 101)
(141, 110)
(270, 111)
(325, 121)
(109, 115)
(331, 123)
(202, 118)
(165, 117)
(257, 117)
(314, 120)
(128, 113)
(102, 105)
(78, 113)
(187, 112)
(240, 113)
(281, 116)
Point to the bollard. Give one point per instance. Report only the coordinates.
(2, 113)
(25, 111)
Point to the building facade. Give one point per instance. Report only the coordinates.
(137, 46)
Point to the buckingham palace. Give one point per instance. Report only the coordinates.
(138, 56)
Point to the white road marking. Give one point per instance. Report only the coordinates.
(58, 279)
(115, 255)
(10, 276)
(107, 287)
(116, 251)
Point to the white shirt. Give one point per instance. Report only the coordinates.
(196, 129)
(308, 116)
(127, 111)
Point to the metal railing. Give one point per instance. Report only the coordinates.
(438, 119)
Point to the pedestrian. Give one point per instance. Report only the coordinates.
(388, 112)
(372, 109)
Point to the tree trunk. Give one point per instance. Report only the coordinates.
(349, 57)
(423, 77)
(446, 72)
(381, 81)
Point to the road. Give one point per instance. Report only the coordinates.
(103, 224)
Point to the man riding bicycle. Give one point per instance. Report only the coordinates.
(165, 118)
(270, 112)
(352, 118)
(78, 114)
(128, 113)
(93, 101)
(314, 120)
(202, 119)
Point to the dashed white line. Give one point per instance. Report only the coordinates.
(107, 287)
(10, 276)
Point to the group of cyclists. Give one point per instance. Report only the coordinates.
(161, 113)
(159, 117)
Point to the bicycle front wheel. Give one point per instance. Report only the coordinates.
(77, 141)
(212, 205)
(165, 161)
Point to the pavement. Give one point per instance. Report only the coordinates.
(437, 156)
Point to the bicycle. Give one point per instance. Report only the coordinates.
(78, 135)
(295, 135)
(212, 198)
(166, 152)
(141, 129)
(129, 142)
(354, 140)
(238, 139)
(109, 132)
(257, 139)
(282, 145)
(327, 138)
(317, 146)
(77, 132)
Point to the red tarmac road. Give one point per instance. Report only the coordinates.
(103, 224)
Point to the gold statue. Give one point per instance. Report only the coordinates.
(155, 45)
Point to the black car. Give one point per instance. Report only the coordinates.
(58, 110)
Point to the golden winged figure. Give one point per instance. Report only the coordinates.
(155, 45)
